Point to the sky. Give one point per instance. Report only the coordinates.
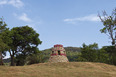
(66, 22)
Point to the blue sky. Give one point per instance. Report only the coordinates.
(66, 22)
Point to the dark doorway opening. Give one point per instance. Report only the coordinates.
(52, 52)
(58, 52)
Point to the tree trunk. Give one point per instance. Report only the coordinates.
(12, 60)
(1, 60)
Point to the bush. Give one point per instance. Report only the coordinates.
(34, 58)
(92, 53)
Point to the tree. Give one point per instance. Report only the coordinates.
(103, 56)
(109, 22)
(3, 46)
(111, 50)
(35, 58)
(91, 53)
(21, 40)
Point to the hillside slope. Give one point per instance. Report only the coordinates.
(71, 69)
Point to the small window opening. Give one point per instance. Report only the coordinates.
(64, 52)
(52, 52)
(58, 52)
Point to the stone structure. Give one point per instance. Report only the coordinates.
(58, 54)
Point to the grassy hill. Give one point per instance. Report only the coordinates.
(71, 69)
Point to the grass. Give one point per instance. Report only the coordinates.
(71, 69)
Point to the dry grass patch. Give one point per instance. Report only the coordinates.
(70, 69)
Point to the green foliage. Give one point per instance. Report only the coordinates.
(109, 22)
(91, 53)
(2, 25)
(103, 56)
(3, 28)
(34, 58)
(112, 53)
(3, 45)
(104, 30)
(80, 58)
(73, 49)
(72, 53)
(21, 40)
(46, 54)
(20, 59)
(72, 56)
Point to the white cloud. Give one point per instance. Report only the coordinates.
(92, 18)
(15, 3)
(3, 2)
(28, 21)
(23, 17)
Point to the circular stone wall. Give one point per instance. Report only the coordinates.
(58, 54)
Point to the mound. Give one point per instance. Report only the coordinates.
(69, 69)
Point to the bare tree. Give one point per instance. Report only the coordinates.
(109, 22)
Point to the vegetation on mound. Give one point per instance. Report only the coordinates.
(70, 69)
